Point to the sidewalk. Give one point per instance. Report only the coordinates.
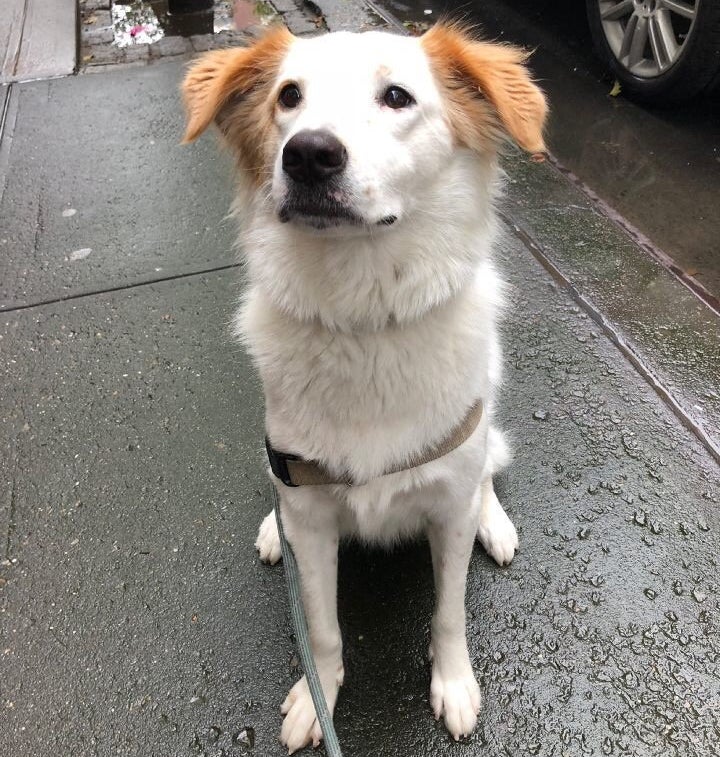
(135, 618)
(37, 39)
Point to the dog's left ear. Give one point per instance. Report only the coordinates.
(474, 74)
(219, 76)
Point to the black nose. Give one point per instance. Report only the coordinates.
(313, 156)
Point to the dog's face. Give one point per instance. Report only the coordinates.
(348, 130)
(360, 122)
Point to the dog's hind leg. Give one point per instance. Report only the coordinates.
(495, 530)
(268, 540)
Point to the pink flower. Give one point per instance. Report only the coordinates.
(136, 30)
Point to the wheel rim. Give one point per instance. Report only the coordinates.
(647, 37)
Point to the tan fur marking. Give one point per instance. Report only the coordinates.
(232, 88)
(466, 68)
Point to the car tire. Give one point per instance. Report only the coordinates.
(689, 69)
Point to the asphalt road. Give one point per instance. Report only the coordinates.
(659, 168)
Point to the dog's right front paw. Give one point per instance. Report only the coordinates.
(268, 540)
(300, 726)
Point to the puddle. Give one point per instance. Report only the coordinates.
(146, 21)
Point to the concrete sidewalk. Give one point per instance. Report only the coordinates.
(135, 618)
(38, 39)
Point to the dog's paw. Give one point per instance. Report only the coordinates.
(300, 726)
(496, 531)
(268, 540)
(457, 699)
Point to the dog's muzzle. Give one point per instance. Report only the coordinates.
(314, 161)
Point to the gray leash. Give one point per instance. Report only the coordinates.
(332, 747)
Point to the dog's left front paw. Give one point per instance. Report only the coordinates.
(457, 699)
(496, 531)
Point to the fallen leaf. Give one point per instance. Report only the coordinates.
(616, 89)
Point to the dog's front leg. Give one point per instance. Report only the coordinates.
(454, 692)
(311, 526)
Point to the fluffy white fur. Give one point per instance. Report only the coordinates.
(373, 342)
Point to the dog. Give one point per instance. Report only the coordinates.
(367, 181)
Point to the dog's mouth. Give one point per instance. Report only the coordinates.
(319, 215)
(324, 211)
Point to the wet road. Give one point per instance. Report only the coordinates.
(660, 169)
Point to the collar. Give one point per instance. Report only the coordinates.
(293, 470)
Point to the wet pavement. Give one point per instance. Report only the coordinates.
(134, 616)
(120, 203)
(670, 335)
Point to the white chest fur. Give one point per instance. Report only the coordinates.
(363, 400)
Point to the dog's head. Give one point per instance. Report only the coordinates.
(347, 130)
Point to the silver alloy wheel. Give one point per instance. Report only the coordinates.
(647, 36)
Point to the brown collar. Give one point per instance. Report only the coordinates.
(294, 471)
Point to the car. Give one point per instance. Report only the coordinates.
(660, 51)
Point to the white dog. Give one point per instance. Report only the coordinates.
(367, 176)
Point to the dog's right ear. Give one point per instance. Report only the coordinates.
(221, 75)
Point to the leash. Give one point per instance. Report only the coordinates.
(332, 747)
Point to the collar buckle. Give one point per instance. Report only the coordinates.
(278, 463)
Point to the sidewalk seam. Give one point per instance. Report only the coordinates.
(637, 237)
(22, 38)
(4, 144)
(119, 288)
(537, 250)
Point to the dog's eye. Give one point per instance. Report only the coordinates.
(397, 97)
(290, 96)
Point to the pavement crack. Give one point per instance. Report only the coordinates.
(38, 223)
(12, 505)
(57, 638)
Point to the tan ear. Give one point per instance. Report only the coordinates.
(220, 75)
(469, 71)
